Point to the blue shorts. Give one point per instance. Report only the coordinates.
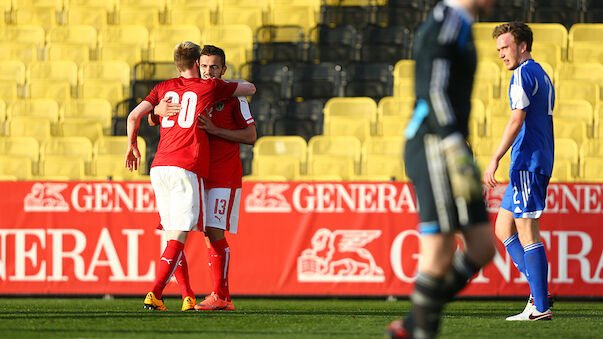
(525, 196)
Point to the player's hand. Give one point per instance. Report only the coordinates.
(489, 173)
(132, 158)
(166, 108)
(463, 173)
(206, 124)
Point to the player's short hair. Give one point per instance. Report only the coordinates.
(520, 32)
(186, 54)
(213, 50)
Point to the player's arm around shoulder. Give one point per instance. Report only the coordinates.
(244, 88)
(132, 160)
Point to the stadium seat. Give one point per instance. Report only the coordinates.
(109, 5)
(591, 169)
(93, 16)
(395, 106)
(339, 155)
(56, 167)
(320, 178)
(586, 33)
(388, 166)
(405, 12)
(139, 15)
(273, 80)
(26, 53)
(111, 90)
(483, 91)
(24, 34)
(73, 34)
(486, 51)
(591, 148)
(12, 70)
(78, 54)
(60, 90)
(293, 146)
(373, 80)
(482, 31)
(489, 72)
(196, 16)
(502, 173)
(303, 15)
(45, 17)
(404, 69)
(357, 13)
(478, 115)
(228, 35)
(567, 149)
(574, 89)
(55, 71)
(334, 44)
(94, 109)
(581, 51)
(116, 43)
(20, 147)
(282, 165)
(509, 10)
(2, 116)
(19, 167)
(317, 81)
(352, 107)
(41, 108)
(552, 33)
(56, 4)
(562, 171)
(347, 126)
(564, 12)
(38, 128)
(590, 72)
(9, 90)
(547, 52)
(570, 128)
(267, 178)
(385, 44)
(484, 146)
(105, 70)
(88, 128)
(117, 145)
(304, 118)
(70, 147)
(173, 34)
(404, 88)
(576, 109)
(109, 157)
(280, 44)
(250, 15)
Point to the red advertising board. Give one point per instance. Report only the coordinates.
(295, 238)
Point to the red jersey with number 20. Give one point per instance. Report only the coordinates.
(181, 143)
(225, 169)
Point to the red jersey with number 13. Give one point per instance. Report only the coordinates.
(181, 143)
(225, 169)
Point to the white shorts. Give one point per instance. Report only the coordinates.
(223, 208)
(177, 193)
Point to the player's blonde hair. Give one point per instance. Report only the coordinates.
(519, 30)
(186, 54)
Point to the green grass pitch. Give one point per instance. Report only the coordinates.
(280, 318)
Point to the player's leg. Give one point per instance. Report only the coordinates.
(505, 228)
(183, 279)
(536, 262)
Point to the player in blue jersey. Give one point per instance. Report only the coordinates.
(529, 133)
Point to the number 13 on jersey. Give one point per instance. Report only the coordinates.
(186, 116)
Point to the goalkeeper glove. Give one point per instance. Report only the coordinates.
(462, 171)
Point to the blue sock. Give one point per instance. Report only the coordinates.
(537, 269)
(515, 250)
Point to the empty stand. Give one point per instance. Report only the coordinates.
(303, 118)
(347, 126)
(302, 14)
(139, 15)
(373, 80)
(80, 127)
(567, 150)
(334, 155)
(352, 108)
(282, 165)
(55, 71)
(570, 128)
(68, 52)
(317, 81)
(38, 128)
(99, 110)
(62, 168)
(565, 12)
(42, 108)
(15, 166)
(198, 16)
(96, 17)
(12, 70)
(24, 34)
(73, 34)
(385, 44)
(280, 44)
(19, 146)
(273, 80)
(591, 169)
(27, 53)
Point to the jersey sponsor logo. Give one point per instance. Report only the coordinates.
(46, 197)
(268, 198)
(339, 256)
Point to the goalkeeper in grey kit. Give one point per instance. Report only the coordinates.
(440, 164)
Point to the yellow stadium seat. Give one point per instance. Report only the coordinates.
(228, 36)
(286, 166)
(562, 171)
(320, 178)
(99, 110)
(24, 34)
(20, 147)
(591, 148)
(502, 173)
(138, 15)
(253, 177)
(391, 125)
(42, 108)
(38, 128)
(19, 167)
(56, 4)
(197, 16)
(591, 169)
(59, 90)
(356, 107)
(331, 165)
(496, 126)
(108, 5)
(109, 149)
(576, 109)
(484, 146)
(395, 106)
(552, 33)
(591, 71)
(45, 17)
(567, 149)
(482, 31)
(2, 116)
(575, 89)
(88, 128)
(54, 70)
(111, 90)
(26, 53)
(158, 4)
(70, 147)
(93, 16)
(582, 51)
(478, 115)
(570, 128)
(392, 167)
(383, 145)
(404, 69)
(67, 52)
(547, 52)
(8, 90)
(112, 166)
(105, 70)
(121, 52)
(116, 43)
(12, 70)
(117, 145)
(347, 126)
(404, 88)
(483, 91)
(312, 3)
(486, 51)
(174, 34)
(294, 146)
(586, 32)
(60, 167)
(489, 72)
(253, 17)
(73, 34)
(337, 151)
(298, 15)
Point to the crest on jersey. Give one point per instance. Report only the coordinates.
(219, 106)
(339, 256)
(268, 198)
(46, 197)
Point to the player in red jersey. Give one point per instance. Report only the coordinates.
(228, 123)
(182, 157)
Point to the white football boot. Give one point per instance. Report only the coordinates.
(531, 313)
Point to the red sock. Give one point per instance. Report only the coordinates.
(219, 256)
(182, 277)
(167, 266)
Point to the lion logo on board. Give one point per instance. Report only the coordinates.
(46, 197)
(268, 198)
(339, 256)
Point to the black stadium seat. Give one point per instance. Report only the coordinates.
(335, 44)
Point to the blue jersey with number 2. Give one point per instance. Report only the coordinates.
(531, 90)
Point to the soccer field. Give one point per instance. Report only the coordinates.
(280, 318)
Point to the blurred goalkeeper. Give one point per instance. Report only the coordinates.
(441, 166)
